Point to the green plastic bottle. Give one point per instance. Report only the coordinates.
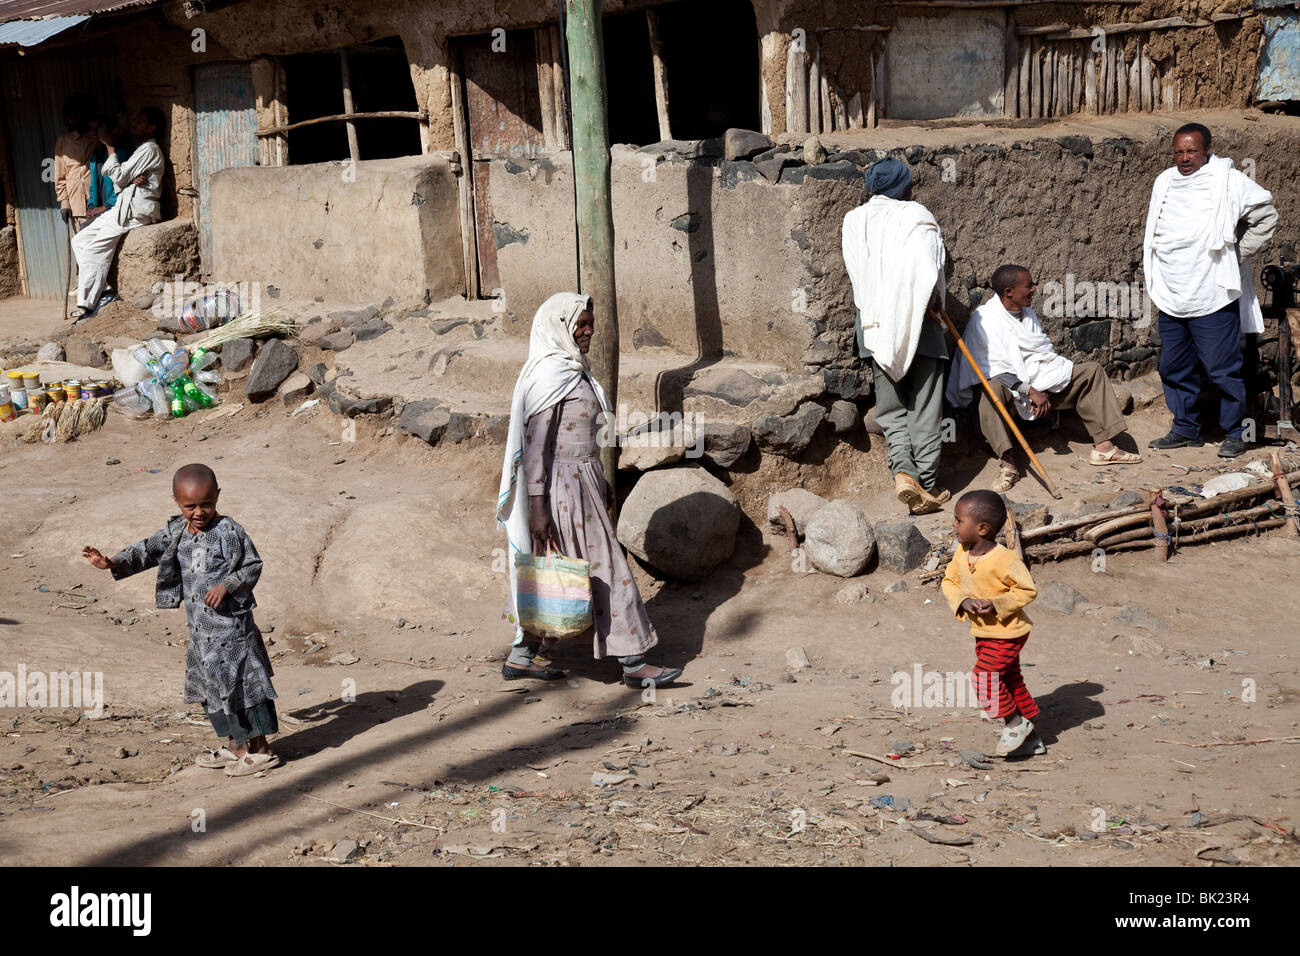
(194, 393)
(178, 399)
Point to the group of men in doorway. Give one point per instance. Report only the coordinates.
(107, 182)
(1205, 220)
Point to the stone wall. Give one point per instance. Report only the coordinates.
(742, 257)
(388, 228)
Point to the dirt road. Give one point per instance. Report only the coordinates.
(1146, 687)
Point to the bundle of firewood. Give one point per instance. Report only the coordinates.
(1167, 520)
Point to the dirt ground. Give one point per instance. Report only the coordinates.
(1150, 757)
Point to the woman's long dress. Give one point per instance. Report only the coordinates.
(566, 469)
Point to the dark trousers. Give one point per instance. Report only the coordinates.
(1212, 342)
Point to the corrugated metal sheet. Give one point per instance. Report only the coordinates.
(36, 9)
(225, 123)
(1279, 60)
(34, 90)
(32, 32)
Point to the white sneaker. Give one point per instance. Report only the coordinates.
(1014, 737)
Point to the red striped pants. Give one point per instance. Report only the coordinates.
(999, 687)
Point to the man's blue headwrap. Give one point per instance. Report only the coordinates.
(888, 177)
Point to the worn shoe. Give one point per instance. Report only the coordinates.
(1007, 478)
(1175, 440)
(1116, 456)
(523, 673)
(1032, 747)
(918, 500)
(1013, 738)
(665, 677)
(1232, 448)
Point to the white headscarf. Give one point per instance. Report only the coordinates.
(555, 365)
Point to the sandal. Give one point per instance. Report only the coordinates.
(1006, 479)
(250, 764)
(218, 759)
(665, 677)
(1116, 456)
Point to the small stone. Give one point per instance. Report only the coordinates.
(901, 545)
(1027, 516)
(743, 143)
(1127, 500)
(839, 539)
(789, 435)
(345, 851)
(79, 350)
(843, 417)
(275, 362)
(801, 504)
(852, 593)
(337, 341)
(426, 420)
(370, 330)
(123, 753)
(1055, 596)
(898, 587)
(1140, 617)
(796, 658)
(295, 388)
(50, 352)
(814, 153)
(725, 443)
(237, 353)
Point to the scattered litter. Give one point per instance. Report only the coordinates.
(887, 801)
(306, 406)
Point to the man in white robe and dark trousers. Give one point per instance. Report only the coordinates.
(1008, 344)
(894, 255)
(138, 183)
(1205, 221)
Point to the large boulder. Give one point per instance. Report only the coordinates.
(839, 540)
(682, 521)
(427, 420)
(237, 353)
(275, 362)
(158, 253)
(789, 435)
(902, 546)
(801, 504)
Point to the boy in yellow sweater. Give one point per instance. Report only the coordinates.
(990, 586)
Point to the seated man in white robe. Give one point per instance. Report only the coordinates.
(138, 183)
(1008, 343)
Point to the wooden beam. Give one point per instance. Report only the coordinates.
(661, 79)
(353, 150)
(465, 182)
(796, 90)
(1061, 31)
(420, 115)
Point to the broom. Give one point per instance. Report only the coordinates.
(248, 326)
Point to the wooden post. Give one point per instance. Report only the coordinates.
(1023, 106)
(1159, 526)
(1036, 80)
(1010, 68)
(546, 86)
(661, 79)
(815, 94)
(1284, 492)
(828, 117)
(465, 182)
(1081, 53)
(1121, 81)
(855, 111)
(796, 91)
(561, 94)
(1145, 82)
(1049, 79)
(353, 150)
(1090, 82)
(1135, 80)
(871, 100)
(591, 183)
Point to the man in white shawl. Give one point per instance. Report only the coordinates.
(894, 255)
(1008, 343)
(554, 493)
(138, 182)
(1205, 221)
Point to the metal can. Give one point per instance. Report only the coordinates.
(31, 380)
(87, 390)
(54, 391)
(102, 390)
(36, 400)
(17, 395)
(6, 407)
(71, 390)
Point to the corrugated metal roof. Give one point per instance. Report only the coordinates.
(32, 32)
(38, 9)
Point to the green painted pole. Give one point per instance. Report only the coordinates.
(595, 216)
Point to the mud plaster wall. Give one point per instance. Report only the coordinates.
(1217, 66)
(709, 257)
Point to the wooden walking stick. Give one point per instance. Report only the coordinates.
(941, 316)
(1159, 526)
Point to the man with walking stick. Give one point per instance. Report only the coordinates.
(1020, 368)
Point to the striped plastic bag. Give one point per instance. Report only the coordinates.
(554, 594)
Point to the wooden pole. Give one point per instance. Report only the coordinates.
(1026, 62)
(815, 94)
(353, 150)
(1121, 81)
(1135, 80)
(796, 91)
(465, 181)
(942, 319)
(1010, 68)
(546, 86)
(1284, 491)
(661, 78)
(1159, 526)
(591, 183)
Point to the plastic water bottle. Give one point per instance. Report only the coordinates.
(201, 359)
(156, 347)
(133, 400)
(157, 397)
(146, 359)
(210, 376)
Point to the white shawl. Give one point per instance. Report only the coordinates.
(137, 202)
(894, 255)
(999, 342)
(555, 365)
(1233, 194)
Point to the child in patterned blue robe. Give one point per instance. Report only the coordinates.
(207, 561)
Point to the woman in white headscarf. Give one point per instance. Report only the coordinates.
(553, 488)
